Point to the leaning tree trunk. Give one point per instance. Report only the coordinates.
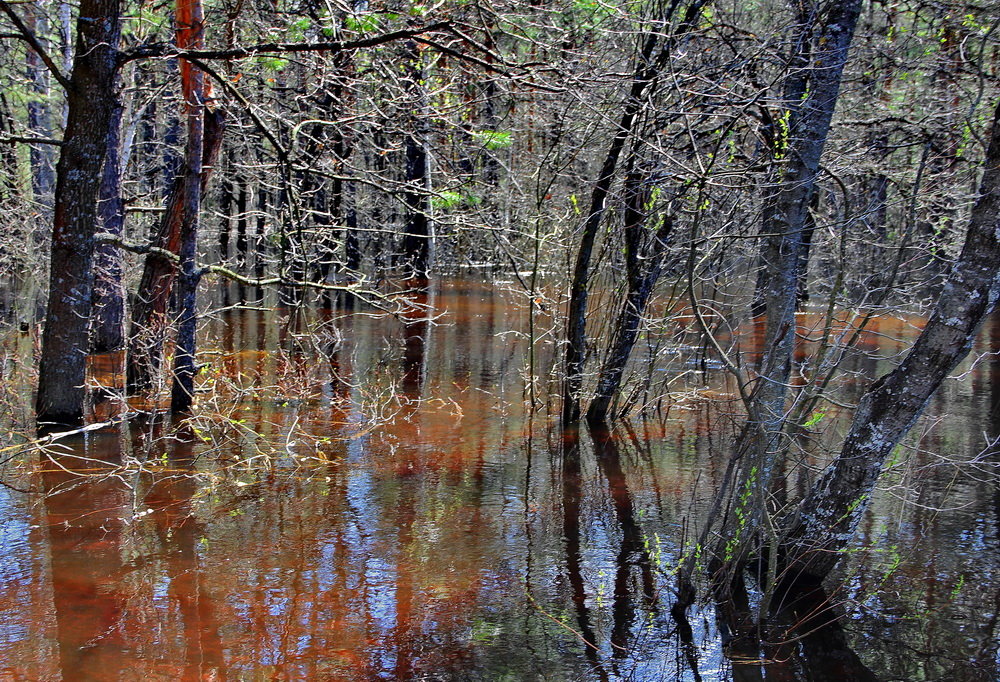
(647, 72)
(825, 521)
(90, 99)
(643, 263)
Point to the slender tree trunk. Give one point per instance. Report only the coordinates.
(91, 96)
(190, 26)
(8, 156)
(149, 309)
(787, 221)
(745, 500)
(416, 245)
(825, 521)
(643, 263)
(652, 59)
(780, 136)
(39, 113)
(576, 316)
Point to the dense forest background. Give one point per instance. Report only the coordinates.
(651, 178)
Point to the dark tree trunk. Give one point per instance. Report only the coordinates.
(787, 220)
(825, 521)
(264, 201)
(242, 219)
(149, 308)
(760, 447)
(226, 202)
(242, 238)
(650, 62)
(643, 264)
(190, 26)
(91, 97)
(416, 243)
(108, 332)
(780, 137)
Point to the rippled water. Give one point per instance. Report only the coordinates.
(379, 502)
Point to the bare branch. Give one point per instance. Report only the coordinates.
(29, 37)
(168, 50)
(23, 139)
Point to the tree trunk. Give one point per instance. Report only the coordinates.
(416, 246)
(149, 309)
(786, 222)
(108, 331)
(190, 25)
(62, 371)
(644, 263)
(825, 521)
(647, 72)
(39, 114)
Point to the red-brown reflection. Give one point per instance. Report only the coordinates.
(85, 514)
(425, 543)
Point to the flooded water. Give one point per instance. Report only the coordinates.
(377, 499)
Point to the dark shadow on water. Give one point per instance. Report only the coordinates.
(572, 489)
(633, 556)
(802, 641)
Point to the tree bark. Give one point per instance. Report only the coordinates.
(643, 264)
(108, 331)
(149, 309)
(787, 220)
(825, 522)
(62, 371)
(190, 27)
(416, 246)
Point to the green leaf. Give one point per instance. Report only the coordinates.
(493, 139)
(364, 23)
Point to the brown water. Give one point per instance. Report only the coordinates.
(414, 520)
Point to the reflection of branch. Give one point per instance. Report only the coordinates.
(29, 37)
(41, 443)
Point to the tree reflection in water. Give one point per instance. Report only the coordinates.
(459, 538)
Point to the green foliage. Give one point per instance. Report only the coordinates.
(493, 139)
(447, 199)
(781, 135)
(273, 64)
(297, 29)
(958, 587)
(362, 23)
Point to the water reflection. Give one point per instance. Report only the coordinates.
(430, 527)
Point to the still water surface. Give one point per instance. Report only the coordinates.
(378, 502)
